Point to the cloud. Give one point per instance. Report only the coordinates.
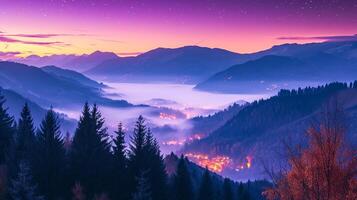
(129, 53)
(9, 55)
(116, 41)
(35, 35)
(12, 40)
(328, 38)
(40, 35)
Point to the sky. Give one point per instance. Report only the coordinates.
(130, 27)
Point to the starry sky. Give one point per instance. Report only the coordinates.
(129, 27)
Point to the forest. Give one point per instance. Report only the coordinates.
(42, 163)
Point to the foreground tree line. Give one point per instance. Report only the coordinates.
(37, 164)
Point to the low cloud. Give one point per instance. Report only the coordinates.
(328, 38)
(9, 55)
(12, 40)
(40, 35)
(35, 35)
(129, 53)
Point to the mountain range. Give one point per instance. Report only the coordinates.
(74, 62)
(48, 87)
(288, 66)
(184, 64)
(219, 70)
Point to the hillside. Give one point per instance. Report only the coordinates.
(207, 124)
(259, 128)
(70, 75)
(255, 187)
(15, 102)
(46, 89)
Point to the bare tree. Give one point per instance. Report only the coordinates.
(325, 170)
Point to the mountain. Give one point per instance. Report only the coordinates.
(50, 90)
(15, 102)
(70, 75)
(340, 49)
(74, 62)
(259, 129)
(86, 62)
(207, 124)
(288, 66)
(184, 64)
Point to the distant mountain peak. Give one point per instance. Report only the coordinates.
(103, 53)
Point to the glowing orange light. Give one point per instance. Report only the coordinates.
(167, 116)
(249, 161)
(246, 165)
(216, 163)
(194, 137)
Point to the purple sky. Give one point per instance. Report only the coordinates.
(129, 27)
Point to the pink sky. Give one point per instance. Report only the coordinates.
(129, 27)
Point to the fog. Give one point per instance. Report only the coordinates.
(168, 108)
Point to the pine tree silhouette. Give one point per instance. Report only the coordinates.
(206, 188)
(6, 133)
(227, 190)
(90, 153)
(120, 165)
(156, 168)
(182, 181)
(25, 138)
(137, 158)
(50, 157)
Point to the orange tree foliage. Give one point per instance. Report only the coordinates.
(325, 170)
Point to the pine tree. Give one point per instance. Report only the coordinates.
(137, 158)
(49, 159)
(6, 133)
(142, 191)
(100, 130)
(206, 188)
(25, 135)
(119, 151)
(156, 167)
(242, 193)
(90, 154)
(120, 165)
(227, 189)
(182, 181)
(22, 186)
(136, 147)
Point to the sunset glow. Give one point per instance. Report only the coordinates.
(129, 28)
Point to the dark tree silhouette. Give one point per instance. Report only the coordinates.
(25, 138)
(182, 181)
(227, 189)
(6, 132)
(120, 165)
(90, 154)
(206, 188)
(49, 157)
(137, 160)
